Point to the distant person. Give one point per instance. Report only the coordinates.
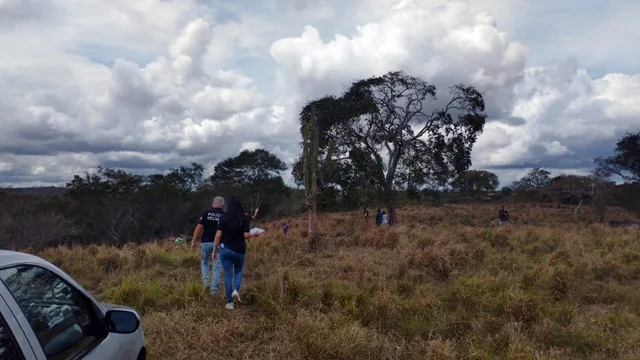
(385, 220)
(207, 227)
(503, 216)
(252, 217)
(285, 229)
(366, 213)
(379, 217)
(233, 231)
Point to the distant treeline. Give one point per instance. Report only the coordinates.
(115, 207)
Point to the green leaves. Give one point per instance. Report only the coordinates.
(252, 175)
(625, 162)
(535, 179)
(387, 131)
(248, 168)
(475, 180)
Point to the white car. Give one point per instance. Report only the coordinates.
(46, 315)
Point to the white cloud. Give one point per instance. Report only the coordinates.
(250, 145)
(444, 43)
(569, 115)
(5, 166)
(153, 84)
(555, 148)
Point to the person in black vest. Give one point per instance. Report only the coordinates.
(233, 231)
(208, 227)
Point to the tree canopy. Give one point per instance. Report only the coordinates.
(393, 135)
(475, 180)
(248, 168)
(252, 174)
(625, 161)
(535, 179)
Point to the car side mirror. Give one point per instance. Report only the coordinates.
(122, 321)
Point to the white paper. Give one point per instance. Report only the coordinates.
(256, 230)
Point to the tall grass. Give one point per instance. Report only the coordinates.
(440, 285)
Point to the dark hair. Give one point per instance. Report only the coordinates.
(235, 212)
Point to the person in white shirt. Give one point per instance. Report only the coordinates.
(385, 220)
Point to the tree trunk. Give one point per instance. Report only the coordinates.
(601, 206)
(600, 209)
(313, 238)
(576, 209)
(392, 165)
(391, 205)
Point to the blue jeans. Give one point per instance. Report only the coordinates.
(232, 262)
(206, 249)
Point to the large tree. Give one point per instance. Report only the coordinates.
(535, 179)
(388, 128)
(575, 189)
(252, 174)
(475, 180)
(625, 161)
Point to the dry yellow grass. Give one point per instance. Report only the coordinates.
(434, 287)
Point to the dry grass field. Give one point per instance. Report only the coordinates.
(440, 285)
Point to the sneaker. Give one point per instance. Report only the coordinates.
(229, 306)
(236, 295)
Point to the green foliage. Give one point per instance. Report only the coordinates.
(347, 185)
(536, 179)
(506, 191)
(254, 176)
(248, 168)
(116, 206)
(625, 161)
(328, 199)
(142, 296)
(390, 117)
(475, 181)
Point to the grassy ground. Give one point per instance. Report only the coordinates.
(438, 286)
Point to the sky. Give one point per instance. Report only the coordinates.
(150, 85)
